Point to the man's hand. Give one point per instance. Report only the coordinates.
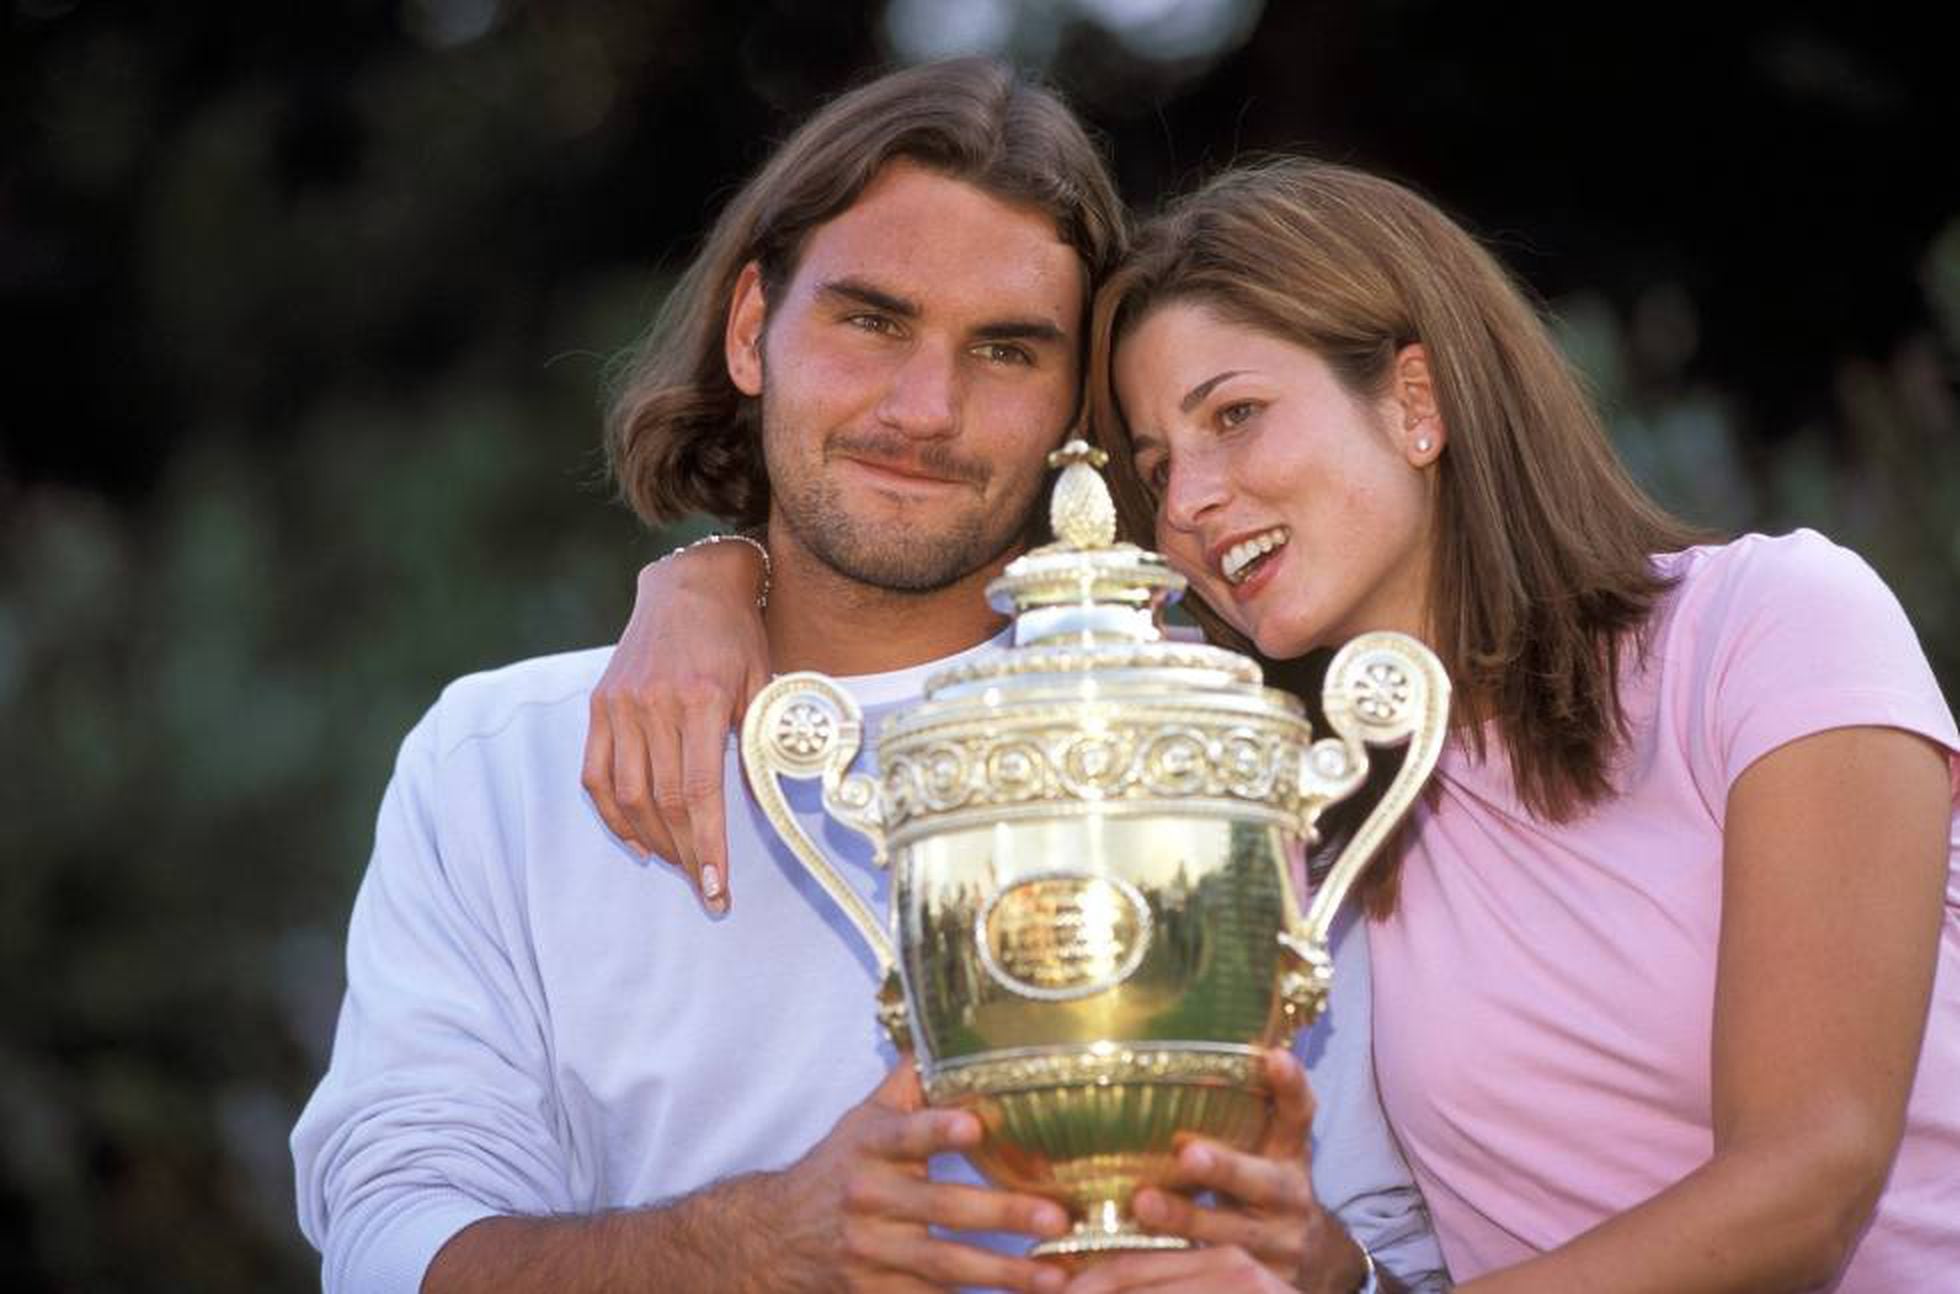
(692, 657)
(853, 1214)
(1267, 1231)
(859, 1205)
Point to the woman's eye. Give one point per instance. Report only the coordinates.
(1154, 473)
(1234, 414)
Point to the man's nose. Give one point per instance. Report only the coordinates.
(923, 398)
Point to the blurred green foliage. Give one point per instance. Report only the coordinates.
(332, 365)
(204, 699)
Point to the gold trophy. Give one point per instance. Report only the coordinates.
(1098, 837)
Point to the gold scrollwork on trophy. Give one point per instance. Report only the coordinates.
(1121, 760)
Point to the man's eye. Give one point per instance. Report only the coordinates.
(1000, 352)
(871, 323)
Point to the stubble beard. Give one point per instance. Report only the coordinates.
(892, 558)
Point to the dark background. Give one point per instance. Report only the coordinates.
(309, 310)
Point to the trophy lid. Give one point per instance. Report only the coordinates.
(1085, 587)
(1089, 603)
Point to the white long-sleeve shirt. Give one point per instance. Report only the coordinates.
(534, 1024)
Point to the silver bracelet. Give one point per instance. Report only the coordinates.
(1370, 1284)
(768, 567)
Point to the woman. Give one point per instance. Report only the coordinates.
(1653, 968)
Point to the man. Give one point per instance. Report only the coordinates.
(553, 1071)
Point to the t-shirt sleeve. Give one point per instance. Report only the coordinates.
(1358, 1170)
(432, 1113)
(1802, 636)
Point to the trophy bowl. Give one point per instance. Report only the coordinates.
(1098, 842)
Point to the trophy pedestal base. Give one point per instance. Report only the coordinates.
(1106, 1232)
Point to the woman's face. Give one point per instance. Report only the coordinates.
(1301, 512)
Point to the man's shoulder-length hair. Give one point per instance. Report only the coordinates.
(680, 437)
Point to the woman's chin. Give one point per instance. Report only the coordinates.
(1277, 642)
(1289, 637)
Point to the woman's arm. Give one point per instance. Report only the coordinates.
(692, 657)
(1834, 869)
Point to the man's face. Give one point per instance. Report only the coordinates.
(914, 373)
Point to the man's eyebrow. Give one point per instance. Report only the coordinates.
(864, 294)
(1196, 394)
(1020, 330)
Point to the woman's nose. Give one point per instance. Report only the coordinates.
(1193, 489)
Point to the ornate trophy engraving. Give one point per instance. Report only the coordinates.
(1097, 837)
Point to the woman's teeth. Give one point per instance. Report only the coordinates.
(1239, 558)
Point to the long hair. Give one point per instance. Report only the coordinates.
(1542, 578)
(680, 437)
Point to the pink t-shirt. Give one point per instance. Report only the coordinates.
(1544, 993)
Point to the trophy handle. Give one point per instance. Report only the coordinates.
(1382, 689)
(804, 725)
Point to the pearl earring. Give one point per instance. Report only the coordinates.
(1422, 444)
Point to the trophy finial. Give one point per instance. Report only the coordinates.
(1080, 509)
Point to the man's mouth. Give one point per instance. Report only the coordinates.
(1243, 558)
(931, 465)
(905, 471)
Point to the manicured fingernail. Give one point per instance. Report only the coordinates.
(1048, 1217)
(710, 882)
(1197, 1159)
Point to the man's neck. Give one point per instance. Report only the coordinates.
(821, 620)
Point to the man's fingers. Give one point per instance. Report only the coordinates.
(899, 1091)
(960, 1207)
(948, 1262)
(704, 742)
(919, 1136)
(1273, 1238)
(900, 1126)
(1252, 1180)
(1293, 1107)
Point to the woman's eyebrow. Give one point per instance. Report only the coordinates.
(1196, 394)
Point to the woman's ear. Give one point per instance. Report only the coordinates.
(1421, 432)
(742, 339)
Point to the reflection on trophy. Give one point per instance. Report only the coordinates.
(1098, 837)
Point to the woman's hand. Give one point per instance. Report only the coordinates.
(1266, 1230)
(692, 657)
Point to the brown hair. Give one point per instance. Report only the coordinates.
(1542, 574)
(680, 437)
